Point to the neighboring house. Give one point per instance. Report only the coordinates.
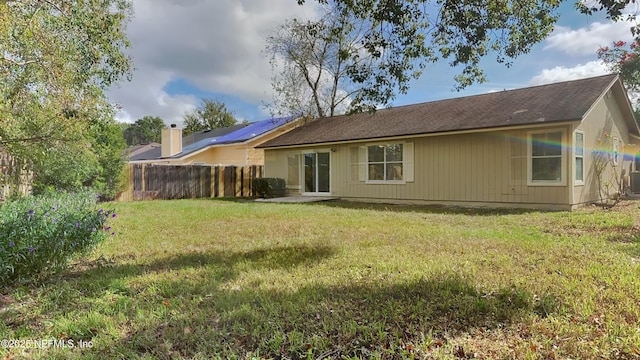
(536, 147)
(134, 151)
(234, 145)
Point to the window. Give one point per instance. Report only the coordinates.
(615, 151)
(546, 155)
(578, 152)
(384, 162)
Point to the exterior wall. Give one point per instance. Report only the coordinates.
(482, 168)
(220, 155)
(606, 117)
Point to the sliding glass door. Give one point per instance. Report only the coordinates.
(316, 172)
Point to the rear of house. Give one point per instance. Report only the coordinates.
(538, 147)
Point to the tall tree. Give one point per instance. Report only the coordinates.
(56, 59)
(406, 35)
(623, 58)
(211, 114)
(95, 159)
(312, 63)
(145, 130)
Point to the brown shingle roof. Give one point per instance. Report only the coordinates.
(565, 101)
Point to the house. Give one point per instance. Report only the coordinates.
(135, 150)
(537, 147)
(234, 145)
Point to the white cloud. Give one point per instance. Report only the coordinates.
(215, 45)
(144, 96)
(586, 41)
(562, 73)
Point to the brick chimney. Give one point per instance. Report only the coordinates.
(171, 141)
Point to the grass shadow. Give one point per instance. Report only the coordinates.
(427, 209)
(105, 270)
(197, 296)
(349, 321)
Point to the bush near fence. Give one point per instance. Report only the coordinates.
(150, 181)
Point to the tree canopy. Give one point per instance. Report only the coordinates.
(624, 58)
(404, 36)
(56, 59)
(146, 130)
(210, 114)
(313, 62)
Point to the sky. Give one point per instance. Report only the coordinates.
(186, 50)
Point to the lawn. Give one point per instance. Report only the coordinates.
(223, 279)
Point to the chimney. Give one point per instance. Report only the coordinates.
(171, 141)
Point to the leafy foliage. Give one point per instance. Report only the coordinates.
(144, 131)
(95, 160)
(314, 62)
(210, 114)
(405, 36)
(40, 235)
(623, 59)
(57, 59)
(267, 187)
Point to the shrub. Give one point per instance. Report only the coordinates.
(269, 186)
(40, 235)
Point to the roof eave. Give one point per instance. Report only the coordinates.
(440, 133)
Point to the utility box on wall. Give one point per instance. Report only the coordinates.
(635, 182)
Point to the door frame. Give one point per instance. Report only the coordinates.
(303, 173)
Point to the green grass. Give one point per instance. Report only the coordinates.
(221, 279)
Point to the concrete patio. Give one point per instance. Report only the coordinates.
(298, 199)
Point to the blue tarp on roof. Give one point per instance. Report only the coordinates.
(245, 133)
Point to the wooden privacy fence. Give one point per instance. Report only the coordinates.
(15, 177)
(148, 181)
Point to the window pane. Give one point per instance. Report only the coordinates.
(546, 168)
(310, 172)
(547, 144)
(376, 171)
(579, 144)
(579, 169)
(376, 153)
(394, 152)
(394, 171)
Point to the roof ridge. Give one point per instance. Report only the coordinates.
(613, 75)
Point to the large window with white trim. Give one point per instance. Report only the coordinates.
(385, 162)
(382, 163)
(546, 158)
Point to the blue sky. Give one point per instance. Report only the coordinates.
(186, 50)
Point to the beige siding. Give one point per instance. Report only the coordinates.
(475, 168)
(606, 117)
